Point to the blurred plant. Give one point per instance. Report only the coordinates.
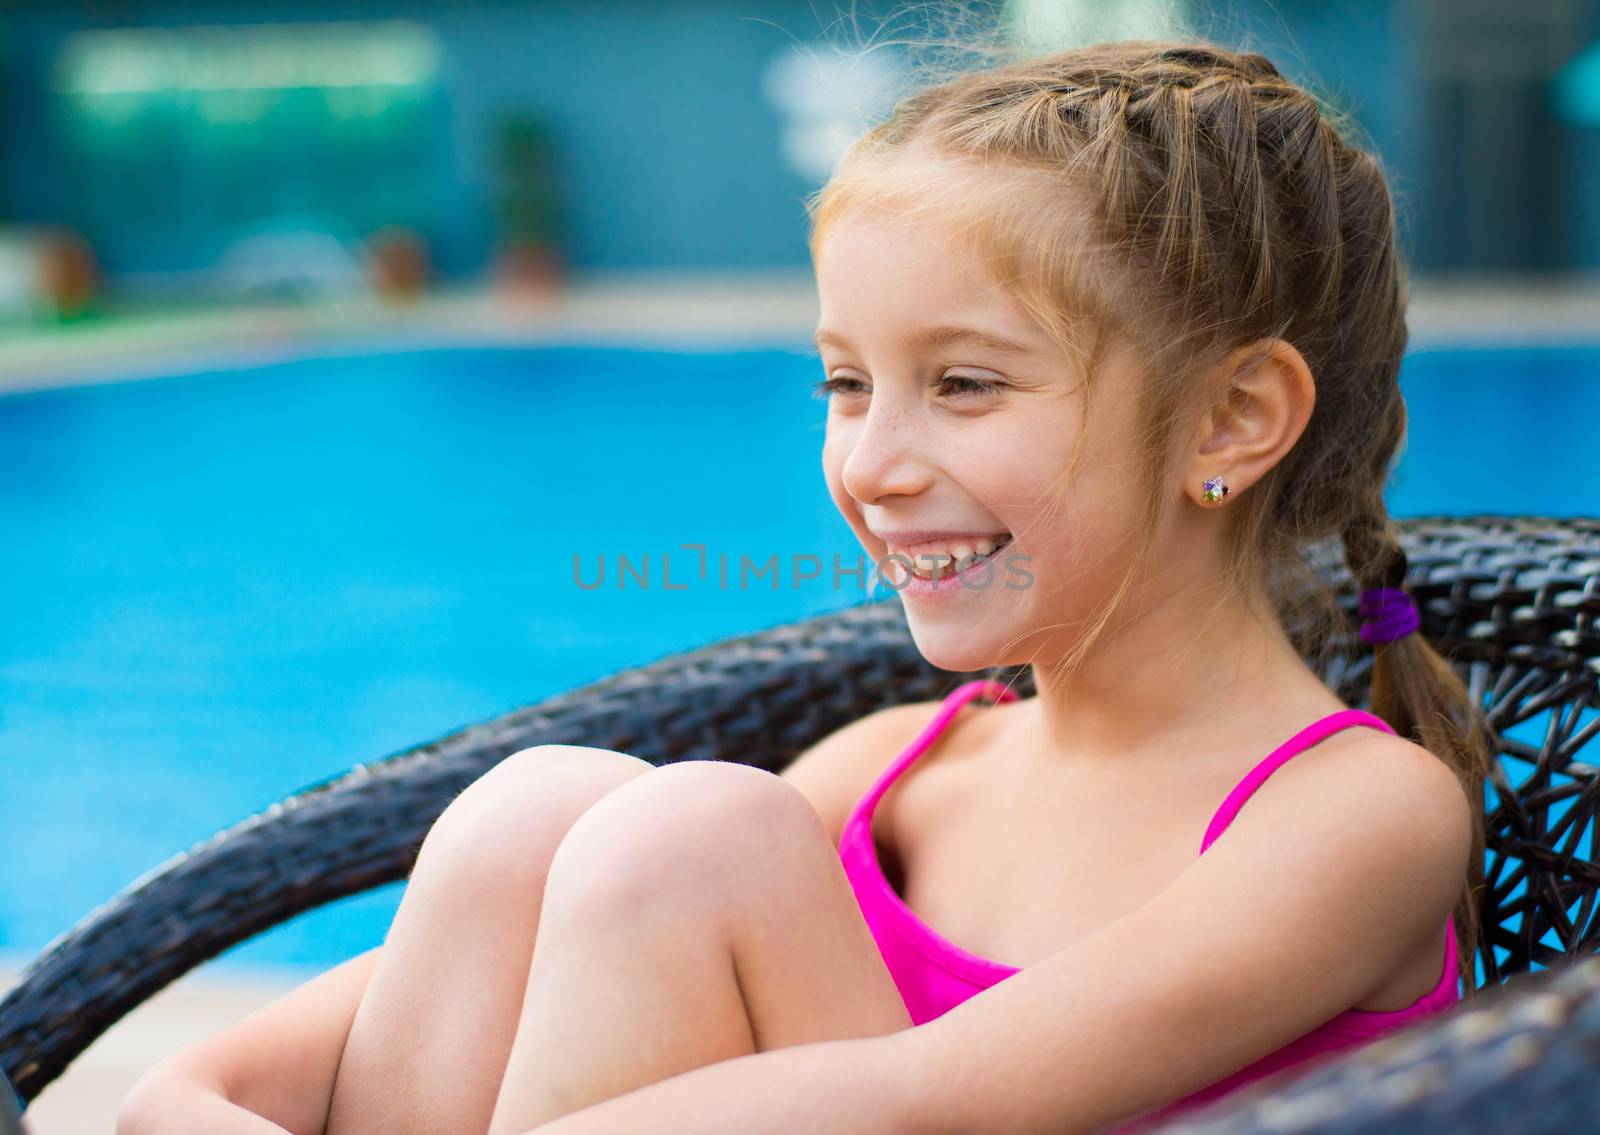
(398, 264)
(527, 206)
(69, 274)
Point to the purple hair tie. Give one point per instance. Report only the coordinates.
(1387, 613)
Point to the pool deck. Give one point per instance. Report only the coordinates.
(674, 312)
(671, 311)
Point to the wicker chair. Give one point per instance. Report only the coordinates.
(1513, 601)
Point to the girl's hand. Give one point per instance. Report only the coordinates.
(861, 1086)
(271, 1074)
(166, 1102)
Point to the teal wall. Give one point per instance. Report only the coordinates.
(669, 153)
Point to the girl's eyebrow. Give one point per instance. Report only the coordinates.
(939, 337)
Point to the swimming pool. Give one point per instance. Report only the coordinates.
(221, 587)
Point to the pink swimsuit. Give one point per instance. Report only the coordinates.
(934, 974)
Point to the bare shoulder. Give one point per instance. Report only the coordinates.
(1412, 779)
(1398, 801)
(837, 770)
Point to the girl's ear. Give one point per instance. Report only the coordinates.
(1266, 397)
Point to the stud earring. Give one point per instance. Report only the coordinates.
(1213, 489)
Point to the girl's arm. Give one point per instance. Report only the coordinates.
(863, 1086)
(1324, 886)
(1320, 889)
(271, 1073)
(189, 1107)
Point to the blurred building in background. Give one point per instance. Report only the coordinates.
(258, 147)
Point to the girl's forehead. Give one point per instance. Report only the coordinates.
(865, 252)
(920, 281)
(876, 231)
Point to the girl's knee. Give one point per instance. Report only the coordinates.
(692, 829)
(513, 816)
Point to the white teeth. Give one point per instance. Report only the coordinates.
(939, 562)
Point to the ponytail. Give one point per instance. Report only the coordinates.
(1417, 693)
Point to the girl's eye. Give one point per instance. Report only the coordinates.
(833, 386)
(957, 384)
(970, 385)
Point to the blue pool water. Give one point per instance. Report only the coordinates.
(221, 587)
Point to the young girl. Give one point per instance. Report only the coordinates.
(1116, 330)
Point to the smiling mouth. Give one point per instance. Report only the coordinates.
(936, 564)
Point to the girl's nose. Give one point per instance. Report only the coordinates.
(886, 457)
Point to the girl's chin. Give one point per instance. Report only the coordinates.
(954, 652)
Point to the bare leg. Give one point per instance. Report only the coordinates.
(693, 915)
(429, 1042)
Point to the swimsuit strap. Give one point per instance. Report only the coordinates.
(1301, 741)
(995, 690)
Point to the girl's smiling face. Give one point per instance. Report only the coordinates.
(951, 410)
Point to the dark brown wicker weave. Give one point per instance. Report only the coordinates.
(1514, 601)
